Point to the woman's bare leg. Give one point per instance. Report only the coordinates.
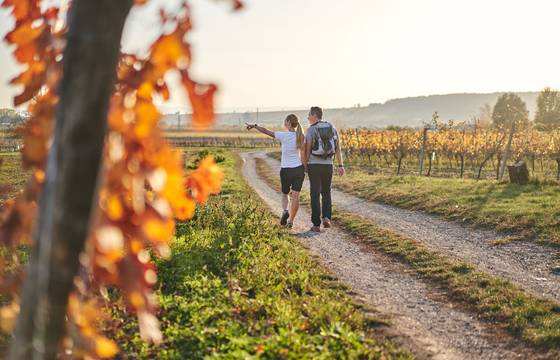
(285, 202)
(294, 206)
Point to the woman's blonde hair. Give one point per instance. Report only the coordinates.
(293, 120)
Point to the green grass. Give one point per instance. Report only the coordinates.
(535, 321)
(12, 176)
(12, 180)
(529, 211)
(237, 286)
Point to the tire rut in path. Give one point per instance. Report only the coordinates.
(526, 264)
(416, 312)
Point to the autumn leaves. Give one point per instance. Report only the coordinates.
(143, 187)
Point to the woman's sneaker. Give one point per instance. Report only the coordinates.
(290, 225)
(284, 218)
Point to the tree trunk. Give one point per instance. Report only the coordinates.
(557, 169)
(69, 195)
(462, 158)
(482, 165)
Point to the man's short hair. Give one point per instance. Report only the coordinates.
(317, 111)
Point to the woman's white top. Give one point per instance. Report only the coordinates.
(290, 152)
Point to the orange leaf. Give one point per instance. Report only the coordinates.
(114, 209)
(23, 8)
(25, 53)
(25, 33)
(105, 348)
(34, 150)
(158, 231)
(202, 101)
(170, 51)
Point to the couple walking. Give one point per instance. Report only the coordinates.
(312, 153)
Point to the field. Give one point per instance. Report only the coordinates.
(217, 137)
(238, 286)
(214, 132)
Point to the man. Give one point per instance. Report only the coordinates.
(322, 144)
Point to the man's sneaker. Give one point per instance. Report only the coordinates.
(326, 222)
(284, 219)
(315, 229)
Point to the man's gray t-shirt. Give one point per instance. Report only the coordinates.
(312, 133)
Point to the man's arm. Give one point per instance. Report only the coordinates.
(306, 148)
(338, 156)
(305, 152)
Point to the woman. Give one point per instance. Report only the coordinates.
(291, 172)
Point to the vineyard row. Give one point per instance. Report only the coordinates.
(454, 151)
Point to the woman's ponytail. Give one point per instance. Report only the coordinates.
(299, 136)
(294, 123)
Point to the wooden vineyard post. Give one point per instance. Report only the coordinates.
(423, 151)
(506, 153)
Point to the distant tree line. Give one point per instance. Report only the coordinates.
(510, 109)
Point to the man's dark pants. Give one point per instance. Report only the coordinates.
(320, 180)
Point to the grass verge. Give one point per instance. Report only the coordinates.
(12, 175)
(237, 286)
(535, 321)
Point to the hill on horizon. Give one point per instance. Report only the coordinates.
(406, 112)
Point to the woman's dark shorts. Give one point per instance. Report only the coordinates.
(292, 179)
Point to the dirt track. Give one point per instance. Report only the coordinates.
(417, 313)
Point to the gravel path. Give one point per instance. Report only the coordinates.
(416, 312)
(523, 263)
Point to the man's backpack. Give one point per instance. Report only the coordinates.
(324, 143)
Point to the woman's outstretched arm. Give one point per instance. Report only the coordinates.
(261, 129)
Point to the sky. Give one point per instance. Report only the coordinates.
(282, 54)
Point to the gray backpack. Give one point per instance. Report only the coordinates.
(324, 142)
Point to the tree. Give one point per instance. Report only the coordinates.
(548, 110)
(510, 109)
(102, 173)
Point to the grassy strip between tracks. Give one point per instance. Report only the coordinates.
(535, 321)
(237, 286)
